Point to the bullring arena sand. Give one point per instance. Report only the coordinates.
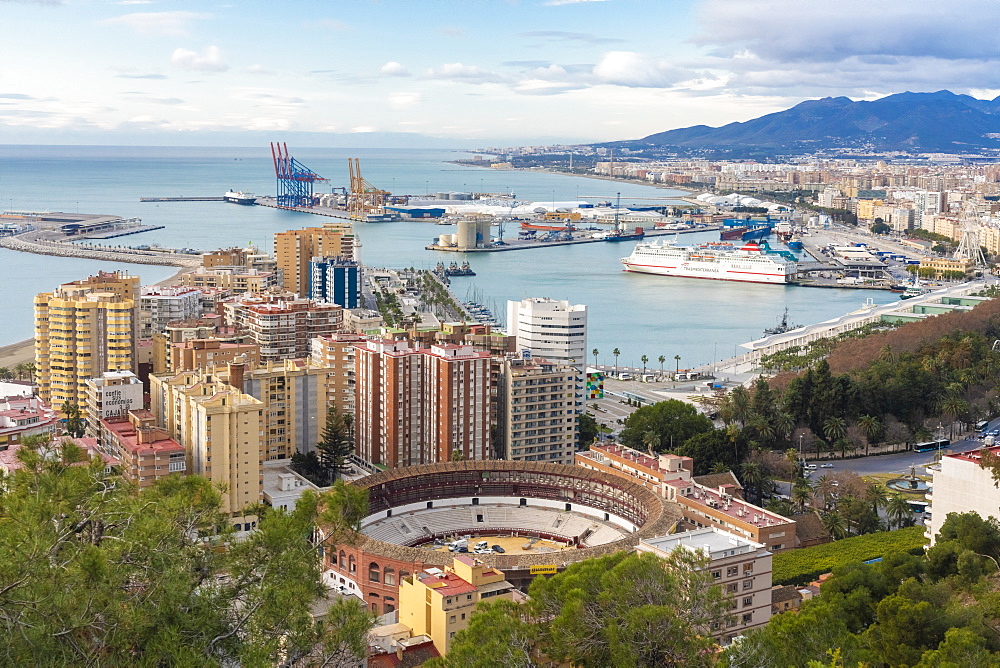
(511, 544)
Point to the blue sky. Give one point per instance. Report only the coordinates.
(467, 73)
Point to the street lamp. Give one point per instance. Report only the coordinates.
(802, 462)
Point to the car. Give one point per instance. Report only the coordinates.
(811, 467)
(498, 549)
(826, 466)
(462, 550)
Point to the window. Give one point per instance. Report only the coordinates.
(469, 597)
(747, 584)
(748, 568)
(733, 588)
(353, 566)
(451, 620)
(747, 617)
(747, 600)
(732, 571)
(389, 575)
(716, 574)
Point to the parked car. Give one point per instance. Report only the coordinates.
(826, 466)
(498, 549)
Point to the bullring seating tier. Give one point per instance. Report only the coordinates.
(422, 526)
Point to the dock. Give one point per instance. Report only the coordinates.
(521, 244)
(314, 210)
(111, 234)
(182, 199)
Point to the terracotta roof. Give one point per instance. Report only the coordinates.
(809, 527)
(714, 480)
(786, 593)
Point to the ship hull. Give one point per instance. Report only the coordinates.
(710, 273)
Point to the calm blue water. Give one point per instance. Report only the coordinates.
(698, 320)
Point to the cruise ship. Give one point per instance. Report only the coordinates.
(721, 262)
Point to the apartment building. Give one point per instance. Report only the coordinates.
(294, 249)
(555, 330)
(537, 409)
(160, 305)
(206, 326)
(419, 405)
(113, 393)
(234, 279)
(336, 352)
(703, 505)
(82, 329)
(439, 603)
(335, 280)
(741, 567)
(961, 485)
(26, 416)
(204, 353)
(283, 328)
(144, 451)
(222, 432)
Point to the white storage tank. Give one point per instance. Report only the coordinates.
(483, 232)
(466, 236)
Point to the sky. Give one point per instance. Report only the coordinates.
(463, 74)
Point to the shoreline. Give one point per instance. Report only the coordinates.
(20, 352)
(599, 177)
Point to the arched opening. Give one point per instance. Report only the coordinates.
(374, 572)
(389, 576)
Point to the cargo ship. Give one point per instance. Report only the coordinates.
(748, 263)
(568, 227)
(239, 197)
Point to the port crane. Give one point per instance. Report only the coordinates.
(294, 180)
(365, 199)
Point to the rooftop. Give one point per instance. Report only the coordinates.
(444, 583)
(718, 543)
(734, 507)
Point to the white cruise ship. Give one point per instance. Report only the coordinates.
(722, 262)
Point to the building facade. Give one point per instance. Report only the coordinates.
(160, 305)
(294, 249)
(222, 432)
(335, 280)
(336, 352)
(284, 328)
(419, 406)
(555, 330)
(537, 414)
(961, 485)
(741, 567)
(25, 416)
(144, 451)
(703, 506)
(83, 329)
(113, 393)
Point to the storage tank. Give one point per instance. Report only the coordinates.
(466, 236)
(483, 232)
(442, 195)
(446, 240)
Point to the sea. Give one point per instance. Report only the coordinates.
(701, 321)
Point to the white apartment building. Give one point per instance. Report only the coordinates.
(160, 305)
(549, 328)
(961, 485)
(740, 566)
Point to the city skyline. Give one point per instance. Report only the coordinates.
(451, 74)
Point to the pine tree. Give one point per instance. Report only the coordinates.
(336, 443)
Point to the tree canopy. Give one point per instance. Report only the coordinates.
(671, 422)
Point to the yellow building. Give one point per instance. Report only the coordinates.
(83, 329)
(943, 264)
(336, 353)
(230, 278)
(438, 604)
(295, 248)
(222, 431)
(866, 208)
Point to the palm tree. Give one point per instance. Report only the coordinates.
(616, 353)
(877, 495)
(740, 401)
(824, 489)
(719, 467)
(20, 370)
(4, 373)
(873, 429)
(835, 429)
(677, 368)
(953, 406)
(644, 359)
(800, 497)
(784, 423)
(765, 429)
(651, 440)
(661, 359)
(595, 352)
(834, 524)
(753, 478)
(898, 510)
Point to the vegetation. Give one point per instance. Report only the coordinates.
(799, 567)
(663, 425)
(76, 425)
(94, 573)
(623, 609)
(587, 429)
(933, 611)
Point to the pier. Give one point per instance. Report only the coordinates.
(522, 244)
(315, 210)
(182, 199)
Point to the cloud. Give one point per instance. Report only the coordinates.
(393, 69)
(404, 100)
(564, 36)
(635, 70)
(468, 73)
(35, 2)
(209, 60)
(560, 3)
(141, 76)
(526, 63)
(362, 129)
(791, 30)
(257, 68)
(16, 96)
(272, 99)
(156, 23)
(170, 101)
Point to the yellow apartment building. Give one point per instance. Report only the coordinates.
(295, 248)
(83, 329)
(222, 432)
(439, 604)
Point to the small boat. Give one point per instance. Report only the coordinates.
(914, 291)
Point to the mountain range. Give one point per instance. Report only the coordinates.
(908, 122)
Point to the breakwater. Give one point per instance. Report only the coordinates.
(131, 255)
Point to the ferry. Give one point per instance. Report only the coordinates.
(239, 197)
(748, 263)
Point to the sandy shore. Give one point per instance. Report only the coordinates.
(21, 352)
